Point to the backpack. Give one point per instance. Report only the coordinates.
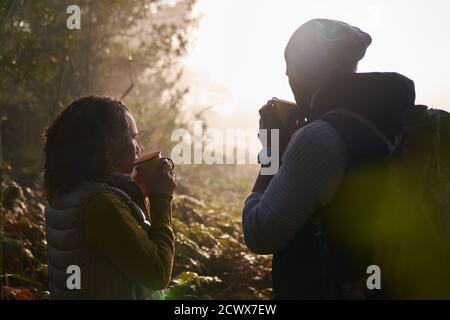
(414, 220)
(397, 214)
(393, 213)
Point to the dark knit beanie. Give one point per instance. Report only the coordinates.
(320, 48)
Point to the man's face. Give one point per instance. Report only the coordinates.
(302, 90)
(127, 150)
(295, 89)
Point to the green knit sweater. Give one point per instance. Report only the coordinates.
(114, 233)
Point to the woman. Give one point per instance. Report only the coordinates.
(96, 219)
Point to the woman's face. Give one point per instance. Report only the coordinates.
(127, 150)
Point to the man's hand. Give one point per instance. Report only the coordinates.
(276, 114)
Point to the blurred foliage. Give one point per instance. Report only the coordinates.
(23, 247)
(210, 245)
(125, 49)
(220, 186)
(211, 259)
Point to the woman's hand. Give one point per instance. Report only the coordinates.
(161, 180)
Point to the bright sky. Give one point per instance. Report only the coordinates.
(237, 58)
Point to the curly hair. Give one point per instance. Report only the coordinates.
(79, 141)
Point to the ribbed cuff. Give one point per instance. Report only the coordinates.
(160, 208)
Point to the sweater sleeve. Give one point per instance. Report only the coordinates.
(312, 168)
(111, 229)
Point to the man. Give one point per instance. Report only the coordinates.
(313, 214)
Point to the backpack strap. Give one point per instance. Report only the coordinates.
(365, 142)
